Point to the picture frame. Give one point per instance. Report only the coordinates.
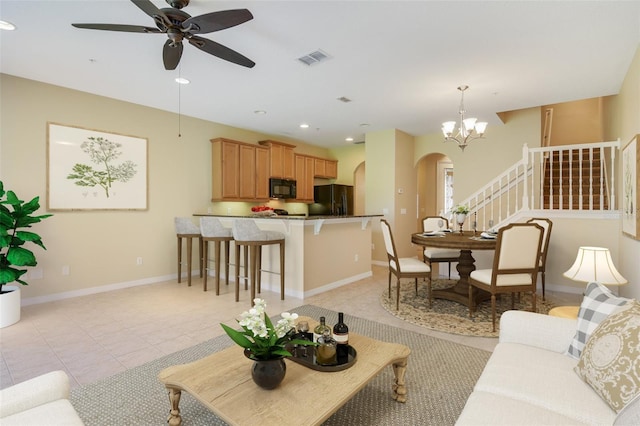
(630, 198)
(90, 169)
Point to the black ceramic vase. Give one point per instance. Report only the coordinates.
(268, 374)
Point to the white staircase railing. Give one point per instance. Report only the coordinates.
(547, 179)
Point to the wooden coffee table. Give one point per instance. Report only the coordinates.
(222, 382)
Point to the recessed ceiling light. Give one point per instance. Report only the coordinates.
(182, 80)
(260, 112)
(363, 125)
(349, 139)
(4, 25)
(304, 126)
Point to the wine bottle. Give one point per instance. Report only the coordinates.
(341, 336)
(319, 330)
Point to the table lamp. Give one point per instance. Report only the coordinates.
(595, 264)
(592, 264)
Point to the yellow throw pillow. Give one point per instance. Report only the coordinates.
(610, 361)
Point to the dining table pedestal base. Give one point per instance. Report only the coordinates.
(460, 291)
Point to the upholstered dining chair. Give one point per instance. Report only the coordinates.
(515, 266)
(403, 267)
(433, 254)
(547, 225)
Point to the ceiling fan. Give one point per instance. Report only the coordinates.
(178, 25)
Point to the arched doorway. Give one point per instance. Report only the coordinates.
(434, 186)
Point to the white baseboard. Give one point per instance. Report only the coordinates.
(96, 290)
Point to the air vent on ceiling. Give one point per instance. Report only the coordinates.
(358, 142)
(314, 57)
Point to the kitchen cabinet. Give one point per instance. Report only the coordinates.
(327, 169)
(239, 171)
(281, 159)
(304, 167)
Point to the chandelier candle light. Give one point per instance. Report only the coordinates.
(469, 130)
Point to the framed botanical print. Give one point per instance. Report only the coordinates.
(95, 170)
(630, 185)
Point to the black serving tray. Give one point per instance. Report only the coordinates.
(308, 358)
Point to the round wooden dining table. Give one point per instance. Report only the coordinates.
(466, 242)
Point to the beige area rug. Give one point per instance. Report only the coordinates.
(440, 377)
(448, 316)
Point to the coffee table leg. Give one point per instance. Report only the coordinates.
(399, 389)
(174, 415)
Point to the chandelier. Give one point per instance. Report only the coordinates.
(469, 130)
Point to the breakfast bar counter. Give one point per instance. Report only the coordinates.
(321, 252)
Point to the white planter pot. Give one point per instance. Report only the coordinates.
(9, 306)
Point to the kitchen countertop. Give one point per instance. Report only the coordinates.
(290, 217)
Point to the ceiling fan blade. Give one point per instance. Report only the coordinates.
(171, 54)
(222, 52)
(216, 21)
(150, 9)
(117, 27)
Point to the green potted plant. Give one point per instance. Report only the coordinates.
(15, 217)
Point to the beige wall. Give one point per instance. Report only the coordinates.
(100, 247)
(623, 121)
(576, 122)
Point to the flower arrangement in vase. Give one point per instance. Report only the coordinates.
(264, 342)
(461, 211)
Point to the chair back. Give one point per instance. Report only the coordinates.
(247, 230)
(546, 225)
(431, 223)
(389, 244)
(212, 227)
(185, 225)
(518, 250)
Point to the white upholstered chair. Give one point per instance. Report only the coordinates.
(403, 267)
(434, 254)
(246, 233)
(547, 225)
(186, 229)
(213, 231)
(515, 266)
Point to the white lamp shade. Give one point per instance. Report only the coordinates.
(595, 264)
(447, 127)
(481, 126)
(469, 123)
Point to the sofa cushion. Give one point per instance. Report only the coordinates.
(630, 414)
(597, 304)
(610, 361)
(484, 408)
(543, 379)
(55, 413)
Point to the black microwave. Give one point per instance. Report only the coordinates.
(282, 188)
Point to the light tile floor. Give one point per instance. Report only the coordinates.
(95, 336)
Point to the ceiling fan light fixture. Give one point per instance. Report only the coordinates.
(7, 26)
(182, 80)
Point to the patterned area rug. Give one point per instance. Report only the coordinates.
(440, 377)
(448, 316)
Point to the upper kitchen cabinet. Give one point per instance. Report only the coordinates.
(281, 159)
(327, 169)
(239, 171)
(304, 178)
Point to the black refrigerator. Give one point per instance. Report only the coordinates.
(332, 200)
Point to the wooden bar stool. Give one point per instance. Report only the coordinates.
(246, 233)
(186, 229)
(212, 230)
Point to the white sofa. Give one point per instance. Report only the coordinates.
(529, 380)
(40, 401)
